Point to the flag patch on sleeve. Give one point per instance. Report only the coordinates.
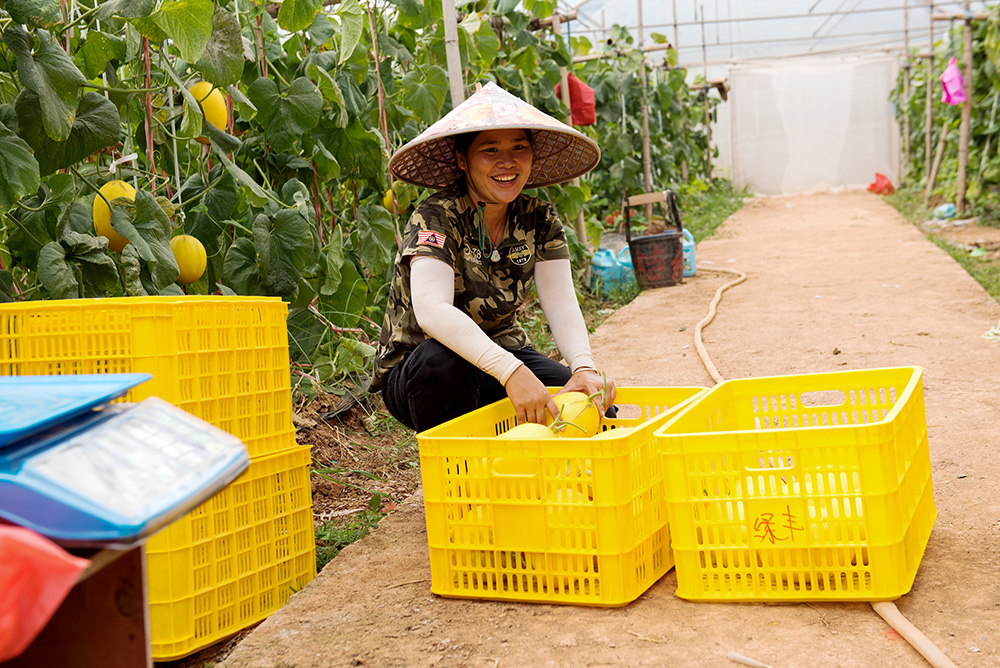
(430, 238)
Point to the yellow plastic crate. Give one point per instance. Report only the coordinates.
(566, 520)
(233, 560)
(223, 359)
(800, 488)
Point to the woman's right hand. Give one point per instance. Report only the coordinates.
(532, 402)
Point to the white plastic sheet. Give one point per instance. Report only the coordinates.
(812, 125)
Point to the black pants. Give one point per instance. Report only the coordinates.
(433, 384)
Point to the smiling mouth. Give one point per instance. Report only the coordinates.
(504, 179)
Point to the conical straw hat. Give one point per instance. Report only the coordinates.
(559, 152)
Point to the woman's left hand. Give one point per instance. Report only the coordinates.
(591, 381)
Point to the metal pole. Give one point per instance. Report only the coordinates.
(647, 166)
(452, 54)
(929, 108)
(708, 125)
(904, 175)
(557, 19)
(676, 39)
(963, 140)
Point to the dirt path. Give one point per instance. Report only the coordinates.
(835, 282)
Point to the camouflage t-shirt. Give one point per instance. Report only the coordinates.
(444, 227)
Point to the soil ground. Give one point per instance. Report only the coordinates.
(835, 282)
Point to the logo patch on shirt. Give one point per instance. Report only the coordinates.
(430, 238)
(519, 254)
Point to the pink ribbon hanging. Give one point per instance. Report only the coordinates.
(953, 84)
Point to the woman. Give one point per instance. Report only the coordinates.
(450, 340)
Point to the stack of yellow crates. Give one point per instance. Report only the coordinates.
(237, 558)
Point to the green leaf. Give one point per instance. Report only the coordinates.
(55, 274)
(148, 28)
(240, 268)
(8, 292)
(18, 169)
(222, 62)
(352, 19)
(296, 15)
(98, 50)
(345, 306)
(132, 268)
(658, 38)
(188, 23)
(288, 116)
(96, 126)
(424, 91)
(355, 148)
(257, 195)
(192, 119)
(321, 30)
(128, 9)
(219, 138)
(411, 7)
(525, 59)
(155, 227)
(220, 200)
(333, 260)
(330, 91)
(284, 242)
(35, 13)
(505, 7)
(377, 238)
(8, 117)
(90, 254)
(51, 74)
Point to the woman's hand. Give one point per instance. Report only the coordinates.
(591, 381)
(531, 400)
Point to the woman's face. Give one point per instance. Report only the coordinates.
(497, 165)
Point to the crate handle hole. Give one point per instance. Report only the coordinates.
(629, 411)
(823, 398)
(513, 467)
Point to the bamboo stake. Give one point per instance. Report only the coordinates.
(452, 54)
(676, 40)
(929, 121)
(557, 19)
(708, 125)
(963, 141)
(647, 167)
(906, 92)
(932, 174)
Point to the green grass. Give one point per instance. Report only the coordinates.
(705, 207)
(986, 273)
(335, 535)
(910, 204)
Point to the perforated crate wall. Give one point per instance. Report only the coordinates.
(235, 559)
(562, 520)
(223, 359)
(804, 488)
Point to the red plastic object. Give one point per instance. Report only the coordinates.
(881, 186)
(581, 101)
(35, 577)
(953, 84)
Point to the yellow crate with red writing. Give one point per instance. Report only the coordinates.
(800, 488)
(554, 520)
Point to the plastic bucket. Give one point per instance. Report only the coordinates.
(690, 263)
(658, 259)
(625, 264)
(605, 272)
